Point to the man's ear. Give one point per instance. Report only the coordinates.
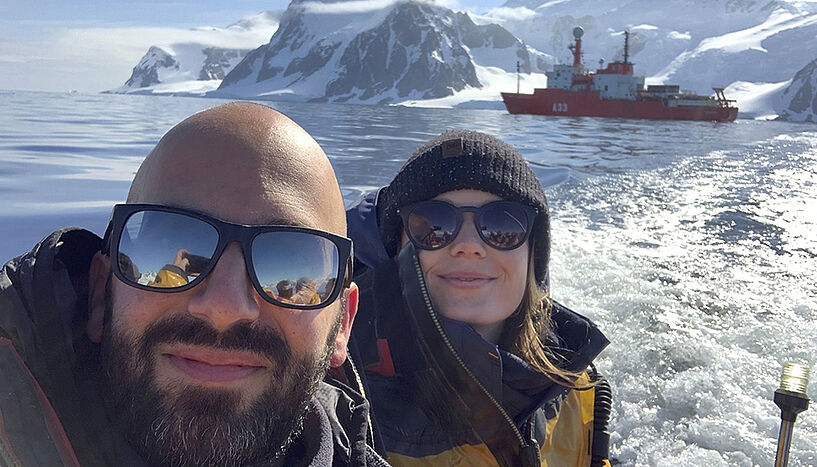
(350, 298)
(97, 281)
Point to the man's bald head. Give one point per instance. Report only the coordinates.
(244, 163)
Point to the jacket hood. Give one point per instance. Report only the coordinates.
(579, 340)
(44, 302)
(362, 228)
(52, 276)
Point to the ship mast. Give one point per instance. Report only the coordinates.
(517, 76)
(576, 48)
(626, 46)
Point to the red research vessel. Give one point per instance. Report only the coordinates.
(616, 93)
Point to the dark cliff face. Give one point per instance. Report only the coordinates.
(146, 73)
(217, 62)
(417, 51)
(403, 53)
(799, 100)
(245, 68)
(257, 66)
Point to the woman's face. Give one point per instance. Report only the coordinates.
(470, 281)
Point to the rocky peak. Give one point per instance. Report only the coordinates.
(798, 102)
(146, 72)
(162, 65)
(415, 50)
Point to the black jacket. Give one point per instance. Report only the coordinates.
(49, 394)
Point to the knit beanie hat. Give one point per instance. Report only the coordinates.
(459, 160)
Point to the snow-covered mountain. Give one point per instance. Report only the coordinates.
(200, 65)
(405, 51)
(798, 101)
(187, 67)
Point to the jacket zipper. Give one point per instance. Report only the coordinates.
(430, 310)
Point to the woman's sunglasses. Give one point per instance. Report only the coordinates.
(504, 225)
(166, 249)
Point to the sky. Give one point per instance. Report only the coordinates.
(93, 45)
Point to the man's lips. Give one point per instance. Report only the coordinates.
(214, 366)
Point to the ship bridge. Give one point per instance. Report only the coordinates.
(562, 76)
(618, 86)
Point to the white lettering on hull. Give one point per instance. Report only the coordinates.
(559, 107)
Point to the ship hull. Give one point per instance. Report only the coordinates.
(562, 102)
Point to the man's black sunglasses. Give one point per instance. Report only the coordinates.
(166, 249)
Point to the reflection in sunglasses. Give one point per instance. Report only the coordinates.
(285, 288)
(519, 223)
(501, 224)
(305, 292)
(169, 276)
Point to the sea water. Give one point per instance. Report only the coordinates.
(693, 245)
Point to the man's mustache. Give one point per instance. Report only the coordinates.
(181, 328)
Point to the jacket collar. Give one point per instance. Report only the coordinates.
(520, 387)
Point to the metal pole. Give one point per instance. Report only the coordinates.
(792, 399)
(783, 444)
(517, 76)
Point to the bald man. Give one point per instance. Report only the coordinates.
(166, 342)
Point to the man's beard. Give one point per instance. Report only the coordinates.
(181, 424)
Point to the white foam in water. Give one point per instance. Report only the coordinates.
(704, 276)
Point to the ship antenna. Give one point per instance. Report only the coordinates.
(517, 76)
(626, 45)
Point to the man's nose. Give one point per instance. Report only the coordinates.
(226, 296)
(468, 242)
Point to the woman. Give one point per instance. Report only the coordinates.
(466, 359)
